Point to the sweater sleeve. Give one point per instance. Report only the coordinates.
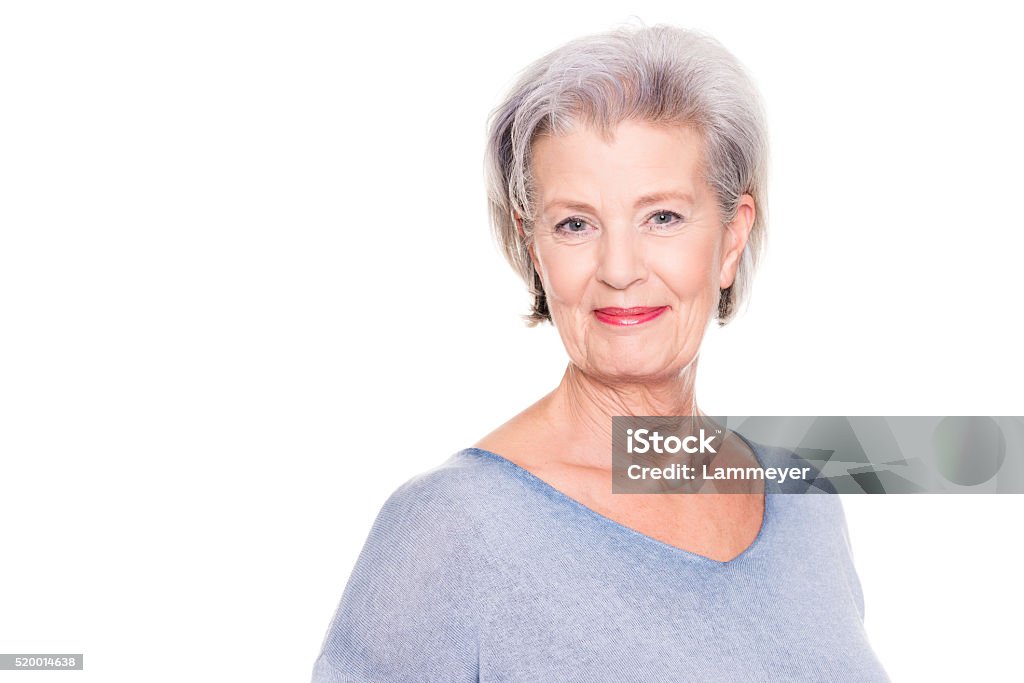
(407, 612)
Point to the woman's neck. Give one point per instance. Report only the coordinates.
(581, 407)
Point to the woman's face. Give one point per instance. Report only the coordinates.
(631, 225)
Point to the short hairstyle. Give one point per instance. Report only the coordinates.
(657, 74)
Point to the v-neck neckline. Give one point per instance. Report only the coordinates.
(767, 518)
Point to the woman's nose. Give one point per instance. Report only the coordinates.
(621, 258)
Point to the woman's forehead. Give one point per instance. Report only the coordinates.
(640, 164)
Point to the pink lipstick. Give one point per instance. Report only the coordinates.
(629, 316)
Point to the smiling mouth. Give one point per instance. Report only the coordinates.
(629, 316)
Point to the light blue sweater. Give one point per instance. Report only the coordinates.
(477, 570)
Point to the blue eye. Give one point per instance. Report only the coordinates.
(665, 218)
(572, 226)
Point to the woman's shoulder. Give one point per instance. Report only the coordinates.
(420, 581)
(434, 525)
(464, 476)
(455, 495)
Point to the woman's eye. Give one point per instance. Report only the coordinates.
(663, 218)
(572, 226)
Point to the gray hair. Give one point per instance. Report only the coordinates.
(657, 74)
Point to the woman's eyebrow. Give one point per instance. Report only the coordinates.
(645, 200)
(568, 205)
(656, 197)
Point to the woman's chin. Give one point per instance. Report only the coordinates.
(630, 370)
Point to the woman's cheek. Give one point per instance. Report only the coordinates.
(566, 276)
(685, 273)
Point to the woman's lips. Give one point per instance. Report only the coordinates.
(629, 316)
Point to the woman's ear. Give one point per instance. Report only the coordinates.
(518, 220)
(736, 235)
(522, 235)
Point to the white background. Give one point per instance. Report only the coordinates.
(247, 288)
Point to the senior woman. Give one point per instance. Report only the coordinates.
(627, 175)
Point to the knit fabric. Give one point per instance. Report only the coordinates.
(478, 570)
